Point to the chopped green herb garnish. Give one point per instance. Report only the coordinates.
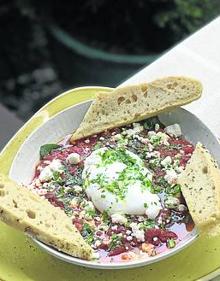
(88, 233)
(97, 146)
(157, 188)
(60, 192)
(173, 190)
(171, 243)
(105, 216)
(153, 164)
(75, 179)
(133, 172)
(91, 212)
(155, 140)
(115, 241)
(57, 178)
(147, 224)
(68, 211)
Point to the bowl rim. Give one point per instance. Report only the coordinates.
(121, 265)
(96, 264)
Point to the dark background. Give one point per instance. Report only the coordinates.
(50, 46)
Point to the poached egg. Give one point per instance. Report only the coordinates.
(117, 181)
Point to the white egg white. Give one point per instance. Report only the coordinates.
(136, 199)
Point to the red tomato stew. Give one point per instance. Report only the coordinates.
(120, 188)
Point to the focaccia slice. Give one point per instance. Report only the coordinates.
(200, 185)
(134, 103)
(28, 212)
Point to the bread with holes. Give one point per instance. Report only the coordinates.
(200, 185)
(134, 103)
(28, 212)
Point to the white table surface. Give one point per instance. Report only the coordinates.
(198, 56)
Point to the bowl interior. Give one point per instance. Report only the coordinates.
(64, 123)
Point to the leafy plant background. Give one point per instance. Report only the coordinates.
(28, 72)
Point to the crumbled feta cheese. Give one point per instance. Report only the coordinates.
(101, 138)
(56, 166)
(89, 206)
(117, 137)
(154, 154)
(118, 218)
(46, 174)
(46, 185)
(179, 169)
(136, 232)
(173, 130)
(171, 176)
(163, 138)
(103, 227)
(114, 227)
(151, 134)
(157, 127)
(171, 202)
(150, 147)
(129, 132)
(82, 214)
(37, 182)
(140, 218)
(166, 161)
(129, 238)
(77, 188)
(97, 243)
(87, 141)
(74, 202)
(73, 158)
(158, 138)
(153, 210)
(137, 127)
(182, 208)
(141, 139)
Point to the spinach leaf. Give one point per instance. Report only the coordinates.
(47, 148)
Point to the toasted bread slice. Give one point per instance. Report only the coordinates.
(134, 103)
(200, 185)
(28, 212)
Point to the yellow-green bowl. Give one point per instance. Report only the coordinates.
(21, 260)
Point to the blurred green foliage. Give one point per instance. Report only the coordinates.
(131, 26)
(184, 17)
